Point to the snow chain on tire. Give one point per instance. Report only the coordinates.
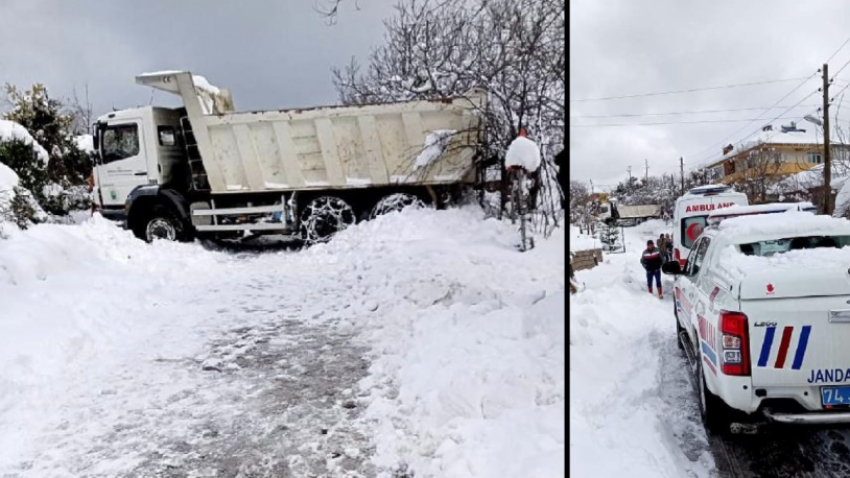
(324, 217)
(396, 202)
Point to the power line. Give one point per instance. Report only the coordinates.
(692, 90)
(838, 50)
(759, 116)
(673, 113)
(671, 122)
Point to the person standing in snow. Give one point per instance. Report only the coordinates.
(662, 247)
(651, 261)
(669, 245)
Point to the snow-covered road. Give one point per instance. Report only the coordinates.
(633, 411)
(421, 341)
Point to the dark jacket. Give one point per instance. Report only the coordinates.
(651, 259)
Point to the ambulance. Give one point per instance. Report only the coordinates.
(690, 216)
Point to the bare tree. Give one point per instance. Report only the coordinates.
(758, 171)
(514, 50)
(81, 111)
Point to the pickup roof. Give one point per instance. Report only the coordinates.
(763, 314)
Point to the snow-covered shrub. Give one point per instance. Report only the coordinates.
(51, 129)
(52, 125)
(17, 205)
(23, 158)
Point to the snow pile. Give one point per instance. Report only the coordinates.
(468, 341)
(206, 93)
(791, 262)
(582, 242)
(8, 178)
(787, 224)
(9, 130)
(523, 153)
(435, 145)
(632, 409)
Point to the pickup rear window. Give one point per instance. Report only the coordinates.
(779, 246)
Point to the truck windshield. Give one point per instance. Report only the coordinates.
(779, 246)
(692, 227)
(120, 142)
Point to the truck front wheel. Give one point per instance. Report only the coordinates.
(161, 224)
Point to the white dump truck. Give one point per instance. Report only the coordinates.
(204, 170)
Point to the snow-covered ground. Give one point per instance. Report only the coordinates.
(632, 411)
(420, 341)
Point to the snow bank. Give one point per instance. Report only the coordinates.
(468, 341)
(582, 242)
(70, 299)
(435, 145)
(523, 153)
(9, 130)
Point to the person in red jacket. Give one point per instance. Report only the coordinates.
(651, 261)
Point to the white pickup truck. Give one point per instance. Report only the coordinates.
(763, 314)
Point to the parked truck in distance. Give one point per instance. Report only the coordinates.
(203, 170)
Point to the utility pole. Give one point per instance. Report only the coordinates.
(591, 186)
(682, 171)
(827, 157)
(646, 175)
(629, 169)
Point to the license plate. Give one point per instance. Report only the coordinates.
(835, 396)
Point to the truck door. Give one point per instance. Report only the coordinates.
(123, 164)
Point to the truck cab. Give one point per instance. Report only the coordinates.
(136, 147)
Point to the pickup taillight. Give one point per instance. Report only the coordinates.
(734, 344)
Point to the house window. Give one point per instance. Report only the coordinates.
(814, 158)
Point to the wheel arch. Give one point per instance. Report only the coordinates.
(144, 200)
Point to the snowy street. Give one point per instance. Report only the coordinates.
(632, 397)
(419, 344)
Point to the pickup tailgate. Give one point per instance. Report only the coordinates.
(799, 328)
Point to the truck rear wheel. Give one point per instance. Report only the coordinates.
(324, 217)
(394, 203)
(161, 224)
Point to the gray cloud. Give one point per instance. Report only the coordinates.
(270, 53)
(621, 47)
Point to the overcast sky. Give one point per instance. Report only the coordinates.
(624, 47)
(270, 53)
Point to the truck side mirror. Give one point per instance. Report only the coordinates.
(672, 268)
(95, 132)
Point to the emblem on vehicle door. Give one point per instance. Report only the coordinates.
(113, 194)
(770, 289)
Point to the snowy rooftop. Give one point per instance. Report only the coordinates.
(811, 136)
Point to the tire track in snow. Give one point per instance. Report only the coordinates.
(272, 396)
